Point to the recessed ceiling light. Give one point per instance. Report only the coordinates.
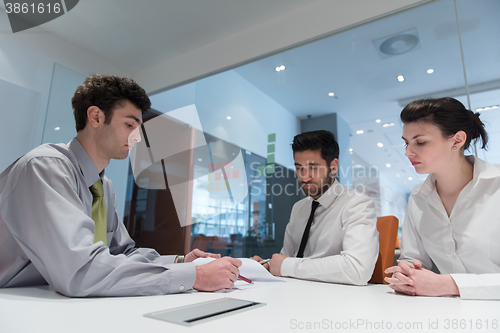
(430, 71)
(401, 78)
(360, 132)
(380, 144)
(388, 125)
(410, 178)
(378, 121)
(331, 94)
(350, 149)
(57, 128)
(228, 118)
(200, 159)
(388, 165)
(280, 68)
(486, 108)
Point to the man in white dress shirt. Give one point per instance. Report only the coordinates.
(56, 229)
(340, 245)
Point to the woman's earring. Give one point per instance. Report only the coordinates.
(454, 147)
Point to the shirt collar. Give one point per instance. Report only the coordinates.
(482, 170)
(426, 187)
(87, 166)
(327, 199)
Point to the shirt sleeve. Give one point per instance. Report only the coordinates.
(478, 286)
(355, 263)
(45, 215)
(412, 247)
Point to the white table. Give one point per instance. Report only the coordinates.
(292, 306)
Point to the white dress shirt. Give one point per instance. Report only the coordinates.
(47, 233)
(343, 240)
(467, 243)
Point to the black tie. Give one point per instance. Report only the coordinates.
(305, 236)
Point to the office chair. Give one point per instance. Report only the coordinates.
(201, 242)
(387, 227)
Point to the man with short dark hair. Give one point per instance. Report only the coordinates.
(332, 234)
(58, 219)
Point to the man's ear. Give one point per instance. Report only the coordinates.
(334, 166)
(95, 117)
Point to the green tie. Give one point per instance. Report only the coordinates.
(99, 212)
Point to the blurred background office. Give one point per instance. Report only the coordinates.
(257, 73)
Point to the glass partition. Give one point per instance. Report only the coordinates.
(363, 76)
(60, 125)
(207, 219)
(479, 30)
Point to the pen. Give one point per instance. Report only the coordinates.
(244, 279)
(265, 261)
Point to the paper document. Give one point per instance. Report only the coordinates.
(250, 269)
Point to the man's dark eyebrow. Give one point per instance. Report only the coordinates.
(135, 118)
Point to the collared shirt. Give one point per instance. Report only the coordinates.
(47, 232)
(465, 244)
(343, 240)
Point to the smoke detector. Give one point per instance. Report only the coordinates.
(398, 44)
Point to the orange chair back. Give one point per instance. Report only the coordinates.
(387, 227)
(218, 243)
(201, 242)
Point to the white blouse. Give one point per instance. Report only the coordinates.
(467, 243)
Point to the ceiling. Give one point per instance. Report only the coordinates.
(175, 26)
(365, 85)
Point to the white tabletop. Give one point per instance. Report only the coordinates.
(291, 306)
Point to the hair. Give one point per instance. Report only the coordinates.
(106, 92)
(317, 140)
(449, 115)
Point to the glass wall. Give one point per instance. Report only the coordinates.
(364, 76)
(479, 29)
(204, 195)
(59, 125)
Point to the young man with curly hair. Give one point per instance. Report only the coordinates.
(58, 219)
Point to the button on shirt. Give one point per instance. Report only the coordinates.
(467, 243)
(343, 240)
(47, 232)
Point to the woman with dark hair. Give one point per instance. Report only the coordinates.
(453, 217)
